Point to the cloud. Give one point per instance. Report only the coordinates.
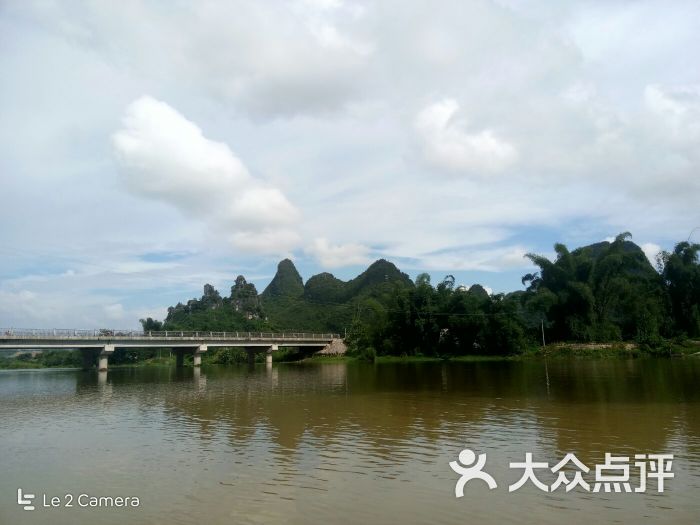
(337, 110)
(107, 292)
(488, 289)
(338, 255)
(114, 312)
(166, 157)
(276, 242)
(494, 259)
(677, 108)
(448, 144)
(26, 303)
(265, 59)
(651, 250)
(304, 63)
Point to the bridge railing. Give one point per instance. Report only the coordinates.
(63, 333)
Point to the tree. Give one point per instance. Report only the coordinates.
(244, 299)
(151, 325)
(211, 298)
(602, 292)
(681, 274)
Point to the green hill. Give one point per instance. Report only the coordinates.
(286, 283)
(601, 293)
(328, 303)
(324, 303)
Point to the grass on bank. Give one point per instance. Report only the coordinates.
(236, 356)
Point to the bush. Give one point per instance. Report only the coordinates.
(289, 354)
(367, 353)
(60, 358)
(229, 356)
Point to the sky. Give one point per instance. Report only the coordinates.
(148, 148)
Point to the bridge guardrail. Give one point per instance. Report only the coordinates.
(30, 333)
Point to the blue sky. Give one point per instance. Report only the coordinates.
(147, 149)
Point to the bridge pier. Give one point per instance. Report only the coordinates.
(252, 350)
(106, 351)
(268, 355)
(198, 354)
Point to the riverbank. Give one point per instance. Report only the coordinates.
(617, 350)
(621, 350)
(614, 350)
(70, 361)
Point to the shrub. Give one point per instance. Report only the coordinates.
(367, 353)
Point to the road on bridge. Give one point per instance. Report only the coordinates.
(196, 343)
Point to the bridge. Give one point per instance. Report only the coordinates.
(98, 345)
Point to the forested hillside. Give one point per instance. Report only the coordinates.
(324, 303)
(604, 292)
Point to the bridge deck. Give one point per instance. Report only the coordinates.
(63, 338)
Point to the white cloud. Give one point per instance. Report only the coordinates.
(488, 289)
(486, 259)
(166, 157)
(114, 312)
(447, 143)
(49, 309)
(276, 242)
(322, 103)
(677, 108)
(266, 59)
(651, 250)
(338, 255)
(26, 303)
(106, 292)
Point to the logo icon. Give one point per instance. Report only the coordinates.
(466, 458)
(26, 502)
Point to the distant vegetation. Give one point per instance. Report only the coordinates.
(74, 358)
(323, 304)
(50, 358)
(605, 292)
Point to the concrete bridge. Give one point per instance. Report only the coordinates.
(100, 344)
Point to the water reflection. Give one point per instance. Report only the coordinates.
(610, 405)
(348, 442)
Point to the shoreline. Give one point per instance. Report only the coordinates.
(617, 350)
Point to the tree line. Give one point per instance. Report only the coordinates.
(605, 292)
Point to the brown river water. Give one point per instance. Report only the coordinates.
(345, 443)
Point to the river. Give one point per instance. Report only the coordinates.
(345, 443)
